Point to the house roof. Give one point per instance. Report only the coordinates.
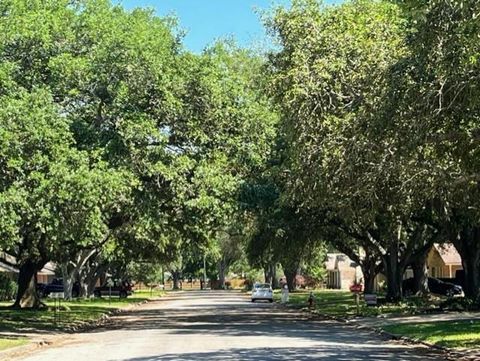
(8, 263)
(5, 267)
(448, 253)
(337, 261)
(48, 269)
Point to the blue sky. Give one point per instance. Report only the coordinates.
(208, 20)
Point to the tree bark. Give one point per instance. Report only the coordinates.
(71, 270)
(27, 296)
(176, 280)
(221, 273)
(270, 272)
(290, 275)
(394, 274)
(470, 262)
(267, 274)
(89, 275)
(467, 244)
(68, 279)
(420, 275)
(275, 283)
(369, 270)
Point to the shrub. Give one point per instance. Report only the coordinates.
(8, 288)
(460, 304)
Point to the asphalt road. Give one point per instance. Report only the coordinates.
(224, 326)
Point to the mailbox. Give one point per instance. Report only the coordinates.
(356, 288)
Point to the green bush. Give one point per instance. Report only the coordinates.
(8, 288)
(460, 304)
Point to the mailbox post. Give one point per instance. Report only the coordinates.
(109, 284)
(57, 299)
(357, 288)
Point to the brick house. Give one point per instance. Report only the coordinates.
(442, 262)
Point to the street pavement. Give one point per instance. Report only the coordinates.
(216, 325)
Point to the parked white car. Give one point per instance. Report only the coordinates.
(262, 291)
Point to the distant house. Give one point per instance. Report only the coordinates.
(47, 274)
(443, 261)
(8, 270)
(8, 266)
(342, 272)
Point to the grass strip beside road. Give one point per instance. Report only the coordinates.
(72, 313)
(11, 342)
(342, 304)
(456, 334)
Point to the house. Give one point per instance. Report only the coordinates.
(8, 270)
(443, 261)
(47, 274)
(342, 272)
(8, 266)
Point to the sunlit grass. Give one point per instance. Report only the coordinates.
(455, 334)
(11, 342)
(71, 313)
(343, 304)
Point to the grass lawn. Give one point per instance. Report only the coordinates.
(11, 342)
(342, 304)
(73, 312)
(459, 334)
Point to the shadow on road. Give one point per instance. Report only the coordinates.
(227, 314)
(290, 354)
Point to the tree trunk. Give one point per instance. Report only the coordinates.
(270, 274)
(369, 270)
(467, 244)
(221, 273)
(68, 280)
(394, 274)
(72, 268)
(176, 280)
(290, 275)
(88, 277)
(267, 274)
(420, 275)
(27, 296)
(471, 268)
(275, 283)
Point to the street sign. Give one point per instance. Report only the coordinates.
(370, 299)
(57, 295)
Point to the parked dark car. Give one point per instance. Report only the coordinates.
(435, 285)
(40, 288)
(57, 286)
(121, 289)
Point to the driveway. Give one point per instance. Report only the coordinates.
(210, 325)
